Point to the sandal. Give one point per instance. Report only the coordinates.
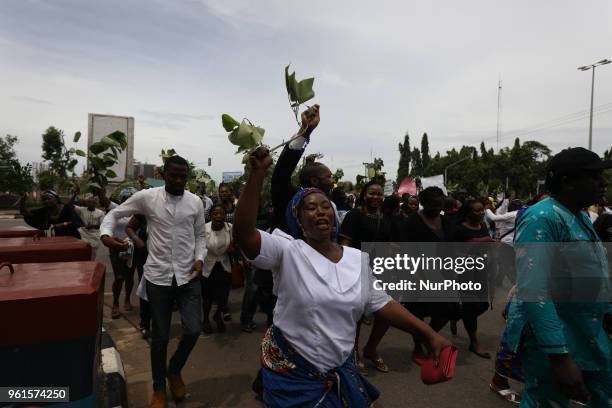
(360, 366)
(508, 394)
(481, 354)
(379, 363)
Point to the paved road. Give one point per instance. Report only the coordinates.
(222, 366)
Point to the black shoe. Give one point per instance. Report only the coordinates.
(227, 317)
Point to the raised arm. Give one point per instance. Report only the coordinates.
(500, 217)
(281, 188)
(246, 235)
(104, 200)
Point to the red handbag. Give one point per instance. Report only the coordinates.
(444, 371)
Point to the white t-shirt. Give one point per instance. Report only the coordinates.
(319, 302)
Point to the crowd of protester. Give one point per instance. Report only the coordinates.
(299, 260)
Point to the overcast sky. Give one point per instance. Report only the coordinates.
(381, 69)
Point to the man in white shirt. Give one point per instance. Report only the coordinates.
(177, 248)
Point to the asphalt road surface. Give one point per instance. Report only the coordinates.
(222, 367)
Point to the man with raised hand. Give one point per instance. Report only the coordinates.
(177, 247)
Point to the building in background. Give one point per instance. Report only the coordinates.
(228, 176)
(100, 126)
(39, 167)
(145, 169)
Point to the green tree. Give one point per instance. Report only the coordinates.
(403, 167)
(416, 169)
(338, 174)
(54, 151)
(14, 177)
(425, 157)
(47, 180)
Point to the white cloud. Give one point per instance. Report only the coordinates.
(381, 69)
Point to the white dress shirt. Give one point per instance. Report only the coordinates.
(319, 302)
(175, 225)
(121, 224)
(217, 243)
(90, 218)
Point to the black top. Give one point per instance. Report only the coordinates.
(464, 234)
(359, 227)
(603, 226)
(414, 229)
(41, 219)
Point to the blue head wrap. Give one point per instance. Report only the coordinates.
(127, 193)
(291, 214)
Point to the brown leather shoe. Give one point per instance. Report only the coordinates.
(159, 400)
(177, 387)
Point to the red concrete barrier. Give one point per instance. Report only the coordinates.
(21, 232)
(50, 326)
(42, 250)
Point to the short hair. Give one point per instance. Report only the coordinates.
(309, 171)
(224, 184)
(430, 193)
(176, 160)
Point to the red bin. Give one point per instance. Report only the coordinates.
(42, 250)
(51, 324)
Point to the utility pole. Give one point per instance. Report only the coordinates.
(499, 92)
(586, 68)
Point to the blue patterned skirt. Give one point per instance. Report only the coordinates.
(291, 381)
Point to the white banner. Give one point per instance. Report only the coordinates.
(434, 181)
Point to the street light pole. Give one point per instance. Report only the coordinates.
(586, 68)
(591, 115)
(451, 165)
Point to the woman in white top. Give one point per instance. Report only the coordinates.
(92, 218)
(216, 273)
(322, 289)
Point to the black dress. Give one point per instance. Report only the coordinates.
(414, 229)
(41, 219)
(471, 310)
(359, 227)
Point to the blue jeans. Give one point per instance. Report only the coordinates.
(161, 302)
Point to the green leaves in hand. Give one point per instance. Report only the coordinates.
(228, 122)
(245, 135)
(299, 92)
